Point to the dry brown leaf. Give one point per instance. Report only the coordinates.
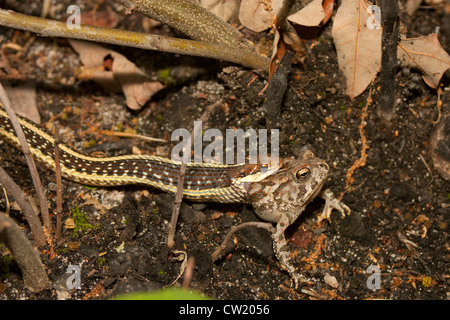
(135, 84)
(102, 18)
(224, 9)
(23, 100)
(328, 6)
(103, 77)
(258, 15)
(281, 42)
(411, 6)
(427, 54)
(433, 2)
(310, 16)
(358, 46)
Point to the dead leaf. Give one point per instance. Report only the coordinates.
(23, 100)
(69, 224)
(310, 16)
(258, 15)
(135, 84)
(104, 78)
(433, 2)
(427, 54)
(224, 9)
(278, 50)
(328, 6)
(101, 18)
(411, 6)
(358, 45)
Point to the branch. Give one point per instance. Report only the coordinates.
(176, 206)
(265, 225)
(52, 28)
(192, 19)
(34, 275)
(275, 91)
(388, 85)
(26, 151)
(25, 205)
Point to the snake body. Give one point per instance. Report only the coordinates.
(202, 181)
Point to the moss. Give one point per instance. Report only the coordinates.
(165, 77)
(81, 221)
(161, 273)
(5, 264)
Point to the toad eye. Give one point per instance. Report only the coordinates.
(303, 174)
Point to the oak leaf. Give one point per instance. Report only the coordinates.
(135, 84)
(224, 9)
(426, 54)
(311, 15)
(258, 15)
(357, 38)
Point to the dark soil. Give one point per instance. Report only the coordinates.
(400, 204)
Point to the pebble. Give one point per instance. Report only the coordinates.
(331, 280)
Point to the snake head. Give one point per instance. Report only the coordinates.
(287, 191)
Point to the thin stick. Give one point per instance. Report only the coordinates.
(264, 225)
(179, 193)
(58, 185)
(34, 275)
(52, 28)
(388, 86)
(26, 151)
(25, 205)
(282, 14)
(176, 206)
(8, 206)
(188, 272)
(131, 135)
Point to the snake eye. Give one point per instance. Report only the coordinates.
(303, 174)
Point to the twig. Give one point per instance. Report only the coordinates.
(426, 165)
(58, 185)
(176, 207)
(179, 192)
(52, 28)
(390, 25)
(8, 206)
(26, 151)
(282, 14)
(34, 275)
(25, 205)
(130, 135)
(265, 225)
(182, 256)
(188, 272)
(275, 91)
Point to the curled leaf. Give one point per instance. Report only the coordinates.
(224, 9)
(258, 15)
(135, 84)
(310, 16)
(427, 54)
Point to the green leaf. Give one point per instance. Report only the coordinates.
(164, 294)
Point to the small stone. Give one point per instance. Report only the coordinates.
(331, 280)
